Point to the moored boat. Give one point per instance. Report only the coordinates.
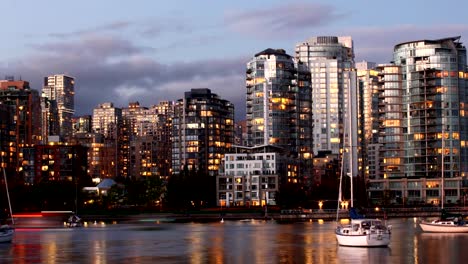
(364, 233)
(445, 225)
(361, 232)
(6, 233)
(74, 221)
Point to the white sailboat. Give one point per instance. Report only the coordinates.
(360, 232)
(6, 231)
(447, 223)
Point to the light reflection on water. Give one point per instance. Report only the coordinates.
(228, 242)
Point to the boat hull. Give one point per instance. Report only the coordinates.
(368, 240)
(439, 228)
(6, 235)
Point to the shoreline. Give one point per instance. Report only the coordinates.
(288, 216)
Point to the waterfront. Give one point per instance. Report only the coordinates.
(249, 241)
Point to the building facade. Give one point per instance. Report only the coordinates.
(278, 106)
(25, 128)
(202, 131)
(147, 139)
(330, 61)
(107, 120)
(251, 176)
(422, 108)
(61, 88)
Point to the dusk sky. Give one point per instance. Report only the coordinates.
(149, 51)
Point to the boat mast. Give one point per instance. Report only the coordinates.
(350, 143)
(340, 193)
(7, 192)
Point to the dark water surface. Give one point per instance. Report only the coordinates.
(228, 242)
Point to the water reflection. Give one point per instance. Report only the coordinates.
(448, 247)
(363, 255)
(228, 242)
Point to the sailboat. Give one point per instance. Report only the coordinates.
(360, 232)
(6, 231)
(448, 222)
(74, 220)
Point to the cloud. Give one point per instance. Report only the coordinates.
(110, 69)
(377, 43)
(111, 27)
(94, 46)
(277, 21)
(152, 29)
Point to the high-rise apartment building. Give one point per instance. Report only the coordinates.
(367, 87)
(330, 61)
(147, 139)
(7, 139)
(279, 105)
(61, 88)
(82, 124)
(99, 163)
(50, 118)
(423, 122)
(24, 129)
(202, 131)
(107, 120)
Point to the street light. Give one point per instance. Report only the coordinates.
(344, 204)
(320, 204)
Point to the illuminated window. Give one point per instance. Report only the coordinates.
(418, 136)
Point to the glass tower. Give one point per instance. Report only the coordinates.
(434, 107)
(331, 64)
(278, 102)
(423, 127)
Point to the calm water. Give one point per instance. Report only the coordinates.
(228, 242)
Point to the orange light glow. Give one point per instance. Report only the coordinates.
(30, 215)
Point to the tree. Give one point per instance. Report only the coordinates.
(291, 195)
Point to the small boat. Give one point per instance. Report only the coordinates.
(364, 233)
(74, 221)
(6, 231)
(447, 223)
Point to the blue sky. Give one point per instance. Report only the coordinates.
(149, 51)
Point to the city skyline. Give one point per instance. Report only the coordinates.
(153, 52)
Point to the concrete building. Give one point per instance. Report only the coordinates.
(202, 131)
(368, 88)
(423, 122)
(147, 139)
(278, 106)
(61, 88)
(53, 162)
(25, 127)
(107, 120)
(251, 176)
(82, 124)
(330, 61)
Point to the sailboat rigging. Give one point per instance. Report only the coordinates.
(447, 223)
(361, 232)
(6, 231)
(74, 220)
